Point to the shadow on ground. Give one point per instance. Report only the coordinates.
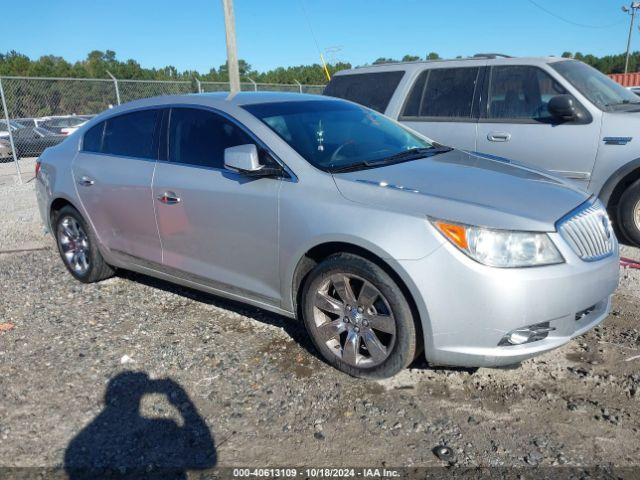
(120, 443)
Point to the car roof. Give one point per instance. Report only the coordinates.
(221, 100)
(455, 62)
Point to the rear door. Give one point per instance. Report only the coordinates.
(113, 173)
(515, 123)
(442, 105)
(218, 228)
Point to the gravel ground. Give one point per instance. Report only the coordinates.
(240, 386)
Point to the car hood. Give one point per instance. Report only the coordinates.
(464, 187)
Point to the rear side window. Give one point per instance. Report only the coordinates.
(443, 92)
(199, 137)
(92, 141)
(373, 90)
(131, 134)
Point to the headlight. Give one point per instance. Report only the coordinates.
(501, 248)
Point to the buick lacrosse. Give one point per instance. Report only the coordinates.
(384, 243)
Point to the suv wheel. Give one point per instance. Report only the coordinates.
(629, 213)
(78, 247)
(358, 318)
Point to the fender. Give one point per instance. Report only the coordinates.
(614, 179)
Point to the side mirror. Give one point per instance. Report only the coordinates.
(242, 159)
(563, 107)
(245, 159)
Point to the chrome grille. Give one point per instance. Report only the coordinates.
(588, 231)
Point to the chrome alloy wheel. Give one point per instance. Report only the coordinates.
(74, 244)
(636, 214)
(354, 320)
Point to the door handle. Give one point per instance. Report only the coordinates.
(85, 181)
(499, 137)
(169, 198)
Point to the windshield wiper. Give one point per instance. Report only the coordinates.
(404, 156)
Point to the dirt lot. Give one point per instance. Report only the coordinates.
(244, 387)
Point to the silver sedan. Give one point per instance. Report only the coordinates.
(384, 243)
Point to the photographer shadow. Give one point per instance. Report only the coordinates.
(122, 444)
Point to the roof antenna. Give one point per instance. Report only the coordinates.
(315, 40)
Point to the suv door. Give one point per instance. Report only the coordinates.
(441, 105)
(515, 123)
(218, 228)
(113, 173)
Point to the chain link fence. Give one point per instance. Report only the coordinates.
(38, 112)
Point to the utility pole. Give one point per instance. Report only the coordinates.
(232, 51)
(631, 10)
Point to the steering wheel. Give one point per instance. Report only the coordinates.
(336, 154)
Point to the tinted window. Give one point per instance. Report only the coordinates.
(373, 90)
(521, 92)
(199, 137)
(131, 134)
(92, 141)
(443, 92)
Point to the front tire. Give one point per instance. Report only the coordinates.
(358, 318)
(629, 213)
(77, 245)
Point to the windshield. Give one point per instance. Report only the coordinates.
(596, 86)
(333, 135)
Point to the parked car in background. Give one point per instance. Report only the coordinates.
(553, 113)
(635, 90)
(63, 125)
(32, 141)
(4, 131)
(28, 121)
(381, 241)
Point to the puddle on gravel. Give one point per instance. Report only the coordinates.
(288, 356)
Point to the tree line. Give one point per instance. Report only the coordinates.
(97, 63)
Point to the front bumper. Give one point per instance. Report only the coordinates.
(466, 308)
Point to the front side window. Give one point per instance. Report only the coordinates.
(373, 90)
(443, 93)
(131, 134)
(332, 134)
(199, 137)
(521, 93)
(596, 86)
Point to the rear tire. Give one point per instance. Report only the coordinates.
(358, 317)
(629, 213)
(78, 247)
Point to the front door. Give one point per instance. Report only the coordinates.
(113, 174)
(218, 228)
(516, 124)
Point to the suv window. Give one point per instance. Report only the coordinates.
(199, 137)
(443, 92)
(373, 90)
(131, 134)
(92, 141)
(521, 92)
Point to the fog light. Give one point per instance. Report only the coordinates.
(529, 334)
(519, 336)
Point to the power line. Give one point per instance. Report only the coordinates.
(571, 22)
